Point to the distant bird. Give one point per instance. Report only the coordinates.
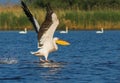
(102, 31)
(45, 32)
(23, 32)
(66, 31)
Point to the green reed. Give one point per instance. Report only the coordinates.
(74, 19)
(9, 21)
(94, 19)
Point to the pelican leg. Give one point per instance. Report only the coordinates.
(46, 58)
(41, 60)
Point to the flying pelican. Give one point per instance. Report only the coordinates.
(45, 32)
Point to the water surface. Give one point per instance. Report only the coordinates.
(91, 58)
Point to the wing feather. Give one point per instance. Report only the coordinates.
(48, 27)
(48, 35)
(30, 16)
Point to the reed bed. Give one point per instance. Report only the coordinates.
(13, 18)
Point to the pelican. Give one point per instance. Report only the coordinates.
(100, 31)
(66, 31)
(23, 32)
(45, 32)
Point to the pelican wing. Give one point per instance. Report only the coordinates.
(48, 27)
(30, 16)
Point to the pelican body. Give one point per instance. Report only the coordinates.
(45, 32)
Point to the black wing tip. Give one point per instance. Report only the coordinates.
(25, 9)
(48, 4)
(23, 4)
(28, 14)
(48, 8)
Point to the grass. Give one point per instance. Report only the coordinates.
(94, 19)
(13, 18)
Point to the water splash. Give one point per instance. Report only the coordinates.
(8, 61)
(52, 64)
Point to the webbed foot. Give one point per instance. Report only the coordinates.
(46, 61)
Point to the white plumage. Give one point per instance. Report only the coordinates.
(102, 31)
(46, 42)
(66, 30)
(23, 32)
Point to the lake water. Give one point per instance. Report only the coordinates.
(91, 58)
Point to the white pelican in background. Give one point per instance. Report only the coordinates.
(23, 32)
(45, 32)
(66, 31)
(100, 31)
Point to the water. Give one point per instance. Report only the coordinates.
(91, 58)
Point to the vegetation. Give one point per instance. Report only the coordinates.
(76, 14)
(77, 4)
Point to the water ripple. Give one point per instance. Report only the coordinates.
(12, 78)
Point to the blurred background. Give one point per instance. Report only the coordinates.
(75, 14)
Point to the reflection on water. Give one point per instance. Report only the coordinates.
(53, 68)
(51, 64)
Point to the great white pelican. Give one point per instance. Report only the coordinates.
(45, 32)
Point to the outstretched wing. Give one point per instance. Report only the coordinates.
(30, 16)
(48, 27)
(47, 22)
